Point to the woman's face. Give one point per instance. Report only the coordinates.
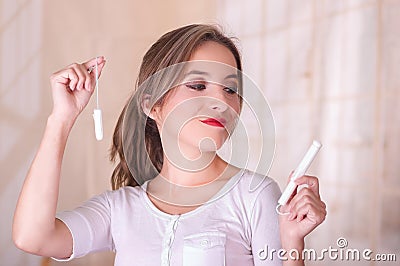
(198, 115)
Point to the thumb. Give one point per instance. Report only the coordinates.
(91, 64)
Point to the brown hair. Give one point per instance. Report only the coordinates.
(146, 157)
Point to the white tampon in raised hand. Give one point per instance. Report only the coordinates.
(98, 124)
(300, 171)
(97, 115)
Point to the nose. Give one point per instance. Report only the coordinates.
(217, 101)
(218, 105)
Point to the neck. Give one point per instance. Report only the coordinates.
(175, 186)
(186, 178)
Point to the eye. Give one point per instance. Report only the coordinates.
(196, 86)
(231, 90)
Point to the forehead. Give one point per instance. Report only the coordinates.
(210, 71)
(213, 51)
(213, 62)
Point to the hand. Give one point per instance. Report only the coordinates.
(306, 210)
(72, 88)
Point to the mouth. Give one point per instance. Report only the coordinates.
(214, 122)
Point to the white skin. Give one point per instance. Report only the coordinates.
(37, 231)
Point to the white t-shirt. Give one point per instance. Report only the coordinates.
(234, 228)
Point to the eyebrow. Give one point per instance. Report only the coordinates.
(232, 76)
(198, 72)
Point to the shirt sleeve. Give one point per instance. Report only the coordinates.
(89, 225)
(265, 241)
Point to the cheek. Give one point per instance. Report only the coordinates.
(233, 113)
(176, 118)
(235, 105)
(178, 113)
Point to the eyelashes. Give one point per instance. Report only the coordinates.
(200, 86)
(196, 86)
(231, 90)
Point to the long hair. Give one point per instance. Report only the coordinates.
(146, 157)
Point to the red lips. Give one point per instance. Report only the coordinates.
(214, 122)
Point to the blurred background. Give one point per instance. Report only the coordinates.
(329, 69)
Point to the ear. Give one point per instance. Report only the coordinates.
(146, 107)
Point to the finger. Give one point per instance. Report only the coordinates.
(92, 62)
(305, 211)
(60, 77)
(313, 213)
(292, 197)
(305, 196)
(73, 80)
(311, 182)
(99, 70)
(93, 78)
(92, 69)
(87, 81)
(81, 73)
(67, 77)
(302, 198)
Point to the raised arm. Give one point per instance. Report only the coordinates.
(35, 228)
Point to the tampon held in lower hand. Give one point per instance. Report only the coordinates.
(300, 171)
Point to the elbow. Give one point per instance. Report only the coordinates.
(25, 242)
(20, 243)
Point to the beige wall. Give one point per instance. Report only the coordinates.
(329, 69)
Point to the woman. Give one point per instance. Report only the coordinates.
(175, 201)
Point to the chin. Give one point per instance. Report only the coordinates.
(209, 144)
(206, 141)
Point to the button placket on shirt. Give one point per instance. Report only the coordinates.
(168, 241)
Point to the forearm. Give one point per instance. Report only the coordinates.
(34, 218)
(294, 249)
